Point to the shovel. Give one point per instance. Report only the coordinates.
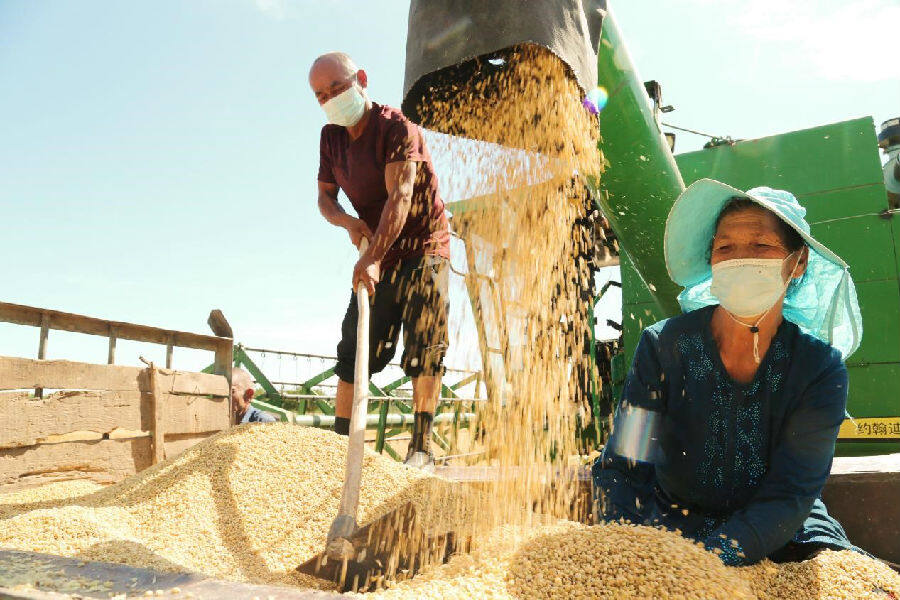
(393, 546)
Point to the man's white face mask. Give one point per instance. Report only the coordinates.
(747, 287)
(347, 108)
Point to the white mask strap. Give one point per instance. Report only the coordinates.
(754, 328)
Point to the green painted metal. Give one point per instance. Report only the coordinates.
(638, 308)
(436, 435)
(879, 303)
(382, 424)
(381, 420)
(242, 360)
(873, 390)
(830, 157)
(618, 370)
(641, 180)
(844, 235)
(835, 171)
(307, 388)
(317, 379)
(474, 377)
(376, 391)
(404, 407)
(393, 454)
(596, 436)
(325, 407)
(383, 411)
(396, 384)
(371, 419)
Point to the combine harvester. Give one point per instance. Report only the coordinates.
(835, 170)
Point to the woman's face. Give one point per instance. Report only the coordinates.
(752, 233)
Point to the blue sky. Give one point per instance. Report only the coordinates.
(158, 159)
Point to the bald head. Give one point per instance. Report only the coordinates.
(339, 62)
(241, 392)
(332, 73)
(241, 379)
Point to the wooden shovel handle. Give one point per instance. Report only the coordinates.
(353, 473)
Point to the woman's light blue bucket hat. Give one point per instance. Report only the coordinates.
(823, 303)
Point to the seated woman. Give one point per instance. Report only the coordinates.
(728, 419)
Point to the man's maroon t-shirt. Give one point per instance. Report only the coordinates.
(357, 167)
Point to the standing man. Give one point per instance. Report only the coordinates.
(380, 160)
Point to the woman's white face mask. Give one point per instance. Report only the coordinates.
(747, 287)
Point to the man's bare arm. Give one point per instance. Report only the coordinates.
(334, 213)
(399, 178)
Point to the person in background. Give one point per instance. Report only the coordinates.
(242, 393)
(728, 419)
(380, 160)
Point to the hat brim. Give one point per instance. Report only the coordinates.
(691, 225)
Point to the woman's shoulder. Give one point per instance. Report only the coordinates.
(810, 350)
(663, 338)
(689, 322)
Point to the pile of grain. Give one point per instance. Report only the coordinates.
(571, 560)
(829, 575)
(252, 503)
(249, 504)
(616, 561)
(46, 495)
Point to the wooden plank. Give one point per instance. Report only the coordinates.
(224, 360)
(45, 330)
(219, 324)
(42, 348)
(104, 461)
(25, 373)
(196, 414)
(33, 481)
(198, 384)
(80, 435)
(63, 321)
(26, 421)
(175, 443)
(111, 354)
(159, 416)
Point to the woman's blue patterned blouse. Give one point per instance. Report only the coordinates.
(737, 466)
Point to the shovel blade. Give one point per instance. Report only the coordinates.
(393, 547)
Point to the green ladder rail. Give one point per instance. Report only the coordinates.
(393, 413)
